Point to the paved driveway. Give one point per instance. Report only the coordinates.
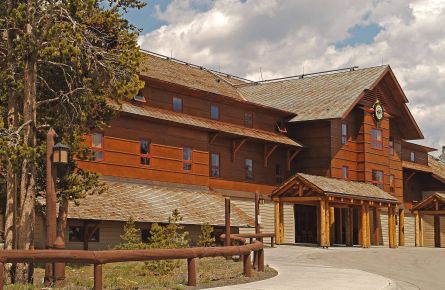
(353, 268)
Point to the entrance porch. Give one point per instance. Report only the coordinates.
(433, 205)
(331, 211)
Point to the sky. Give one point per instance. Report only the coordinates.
(288, 37)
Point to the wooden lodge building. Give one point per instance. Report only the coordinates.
(328, 152)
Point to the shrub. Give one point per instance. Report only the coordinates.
(131, 238)
(206, 238)
(170, 236)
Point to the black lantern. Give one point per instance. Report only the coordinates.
(60, 154)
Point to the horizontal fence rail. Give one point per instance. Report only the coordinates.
(98, 258)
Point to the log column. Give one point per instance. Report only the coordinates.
(392, 227)
(401, 227)
(417, 227)
(227, 221)
(340, 226)
(331, 225)
(376, 224)
(364, 225)
(437, 231)
(324, 224)
(277, 222)
(349, 227)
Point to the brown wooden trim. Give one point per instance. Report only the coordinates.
(236, 145)
(212, 137)
(291, 154)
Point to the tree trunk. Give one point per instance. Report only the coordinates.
(28, 170)
(62, 219)
(11, 177)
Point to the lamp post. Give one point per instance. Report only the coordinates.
(55, 155)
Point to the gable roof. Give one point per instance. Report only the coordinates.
(325, 96)
(437, 167)
(429, 202)
(207, 124)
(340, 187)
(146, 202)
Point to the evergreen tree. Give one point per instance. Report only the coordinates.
(62, 65)
(206, 238)
(131, 238)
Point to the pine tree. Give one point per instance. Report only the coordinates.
(61, 63)
(131, 238)
(206, 238)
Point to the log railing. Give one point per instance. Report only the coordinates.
(99, 258)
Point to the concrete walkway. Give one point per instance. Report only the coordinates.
(297, 272)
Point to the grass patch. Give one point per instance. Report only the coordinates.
(136, 275)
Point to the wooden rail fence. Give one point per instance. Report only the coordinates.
(99, 258)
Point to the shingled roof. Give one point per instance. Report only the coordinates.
(146, 202)
(203, 123)
(325, 96)
(339, 187)
(191, 76)
(437, 167)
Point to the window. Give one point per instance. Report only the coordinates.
(344, 172)
(187, 159)
(391, 183)
(377, 178)
(214, 112)
(413, 156)
(377, 142)
(145, 235)
(248, 166)
(248, 119)
(145, 151)
(391, 145)
(177, 104)
(77, 234)
(278, 174)
(97, 146)
(344, 133)
(215, 165)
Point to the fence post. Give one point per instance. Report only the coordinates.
(2, 275)
(246, 265)
(97, 276)
(272, 244)
(260, 260)
(191, 265)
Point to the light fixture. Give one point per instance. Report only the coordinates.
(262, 201)
(60, 153)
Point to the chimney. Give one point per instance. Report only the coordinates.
(442, 156)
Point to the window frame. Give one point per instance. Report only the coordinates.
(184, 161)
(344, 135)
(82, 235)
(246, 171)
(148, 155)
(391, 146)
(212, 166)
(96, 149)
(375, 143)
(251, 119)
(218, 110)
(377, 182)
(173, 104)
(392, 183)
(279, 177)
(344, 169)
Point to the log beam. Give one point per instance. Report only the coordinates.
(212, 137)
(291, 154)
(236, 145)
(268, 150)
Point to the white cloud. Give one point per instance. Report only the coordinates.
(281, 37)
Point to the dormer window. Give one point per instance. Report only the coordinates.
(344, 133)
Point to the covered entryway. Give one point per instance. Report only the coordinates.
(433, 205)
(333, 208)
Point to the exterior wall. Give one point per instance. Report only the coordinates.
(410, 230)
(161, 96)
(267, 212)
(428, 231)
(315, 157)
